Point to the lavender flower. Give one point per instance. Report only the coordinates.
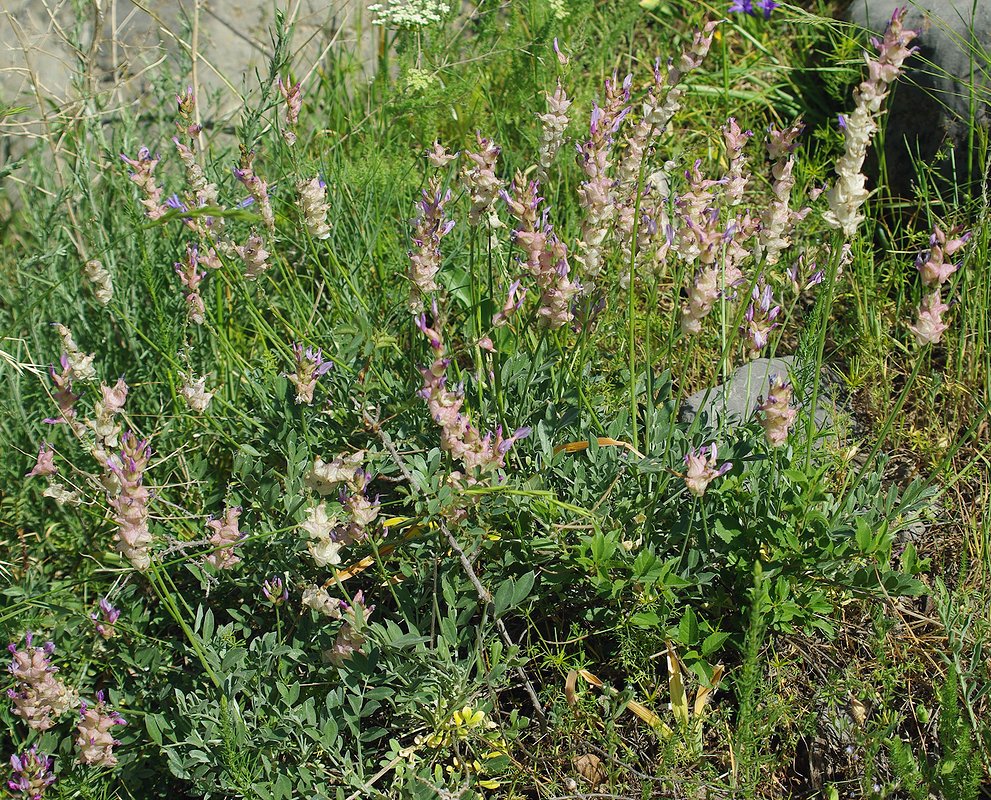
(225, 537)
(256, 187)
(702, 470)
(932, 264)
(848, 194)
(131, 505)
(143, 175)
(105, 618)
(254, 255)
(759, 319)
(275, 591)
(479, 178)
(310, 365)
(31, 775)
(191, 276)
(458, 436)
(45, 465)
(929, 326)
(555, 122)
(748, 7)
(94, 741)
(351, 636)
(38, 695)
(777, 413)
(293, 95)
(430, 226)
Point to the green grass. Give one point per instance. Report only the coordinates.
(547, 595)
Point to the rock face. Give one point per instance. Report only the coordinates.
(128, 47)
(932, 103)
(735, 402)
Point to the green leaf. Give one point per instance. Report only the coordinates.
(154, 728)
(523, 586)
(503, 597)
(688, 628)
(713, 642)
(645, 619)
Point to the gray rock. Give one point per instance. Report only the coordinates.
(931, 106)
(735, 402)
(127, 47)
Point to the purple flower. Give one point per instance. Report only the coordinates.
(750, 8)
(310, 365)
(31, 774)
(275, 591)
(702, 470)
(105, 618)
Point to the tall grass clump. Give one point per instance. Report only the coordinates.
(348, 452)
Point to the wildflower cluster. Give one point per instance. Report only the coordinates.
(201, 192)
(314, 208)
(292, 93)
(779, 219)
(701, 469)
(545, 258)
(848, 194)
(555, 122)
(310, 365)
(31, 774)
(758, 321)
(131, 504)
(329, 531)
(144, 176)
(190, 275)
(94, 741)
(257, 188)
(275, 590)
(479, 178)
(99, 277)
(777, 415)
(935, 271)
(38, 696)
(225, 535)
(355, 615)
(458, 436)
(429, 227)
(195, 392)
(104, 618)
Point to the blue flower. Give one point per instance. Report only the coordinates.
(767, 6)
(750, 8)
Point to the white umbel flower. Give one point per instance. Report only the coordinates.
(409, 13)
